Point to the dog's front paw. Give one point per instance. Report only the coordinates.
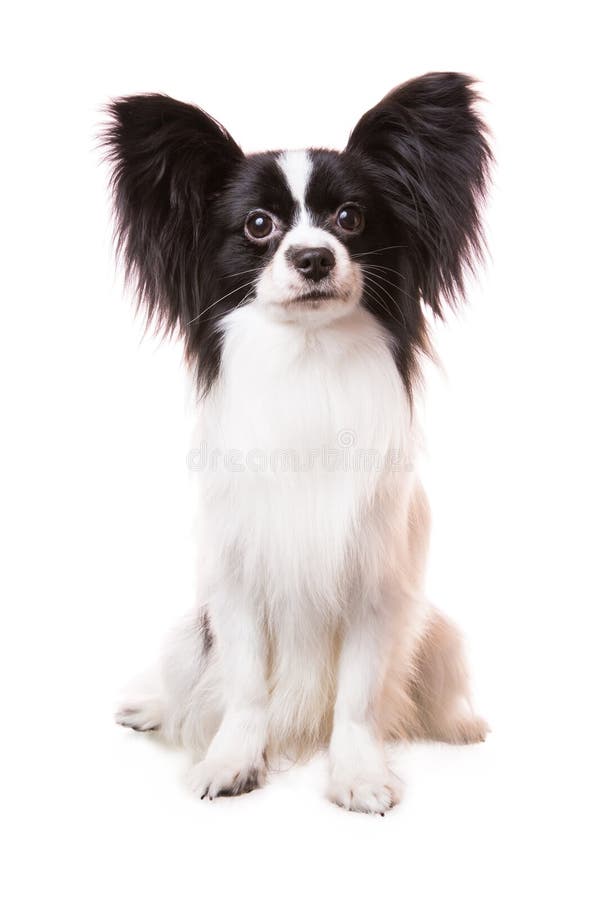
(226, 778)
(368, 792)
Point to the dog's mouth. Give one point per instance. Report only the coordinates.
(314, 297)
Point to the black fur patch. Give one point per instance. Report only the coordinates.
(206, 631)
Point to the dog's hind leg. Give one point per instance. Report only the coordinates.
(181, 698)
(142, 710)
(426, 692)
(440, 686)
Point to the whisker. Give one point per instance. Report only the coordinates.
(380, 276)
(401, 323)
(374, 286)
(375, 275)
(247, 298)
(243, 272)
(378, 301)
(218, 300)
(372, 280)
(385, 268)
(379, 250)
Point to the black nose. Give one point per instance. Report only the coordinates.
(312, 262)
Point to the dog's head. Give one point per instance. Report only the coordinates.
(391, 222)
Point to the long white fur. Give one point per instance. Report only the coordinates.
(307, 573)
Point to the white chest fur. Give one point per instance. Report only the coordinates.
(301, 433)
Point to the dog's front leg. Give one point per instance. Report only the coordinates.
(235, 760)
(360, 778)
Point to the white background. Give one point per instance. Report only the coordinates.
(97, 561)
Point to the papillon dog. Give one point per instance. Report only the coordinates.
(300, 283)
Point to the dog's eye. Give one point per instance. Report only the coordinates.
(350, 218)
(259, 225)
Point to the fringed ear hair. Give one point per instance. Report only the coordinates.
(429, 154)
(169, 160)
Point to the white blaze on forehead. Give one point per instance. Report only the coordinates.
(296, 166)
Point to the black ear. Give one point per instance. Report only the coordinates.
(431, 160)
(169, 159)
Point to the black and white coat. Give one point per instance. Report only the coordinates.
(298, 282)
